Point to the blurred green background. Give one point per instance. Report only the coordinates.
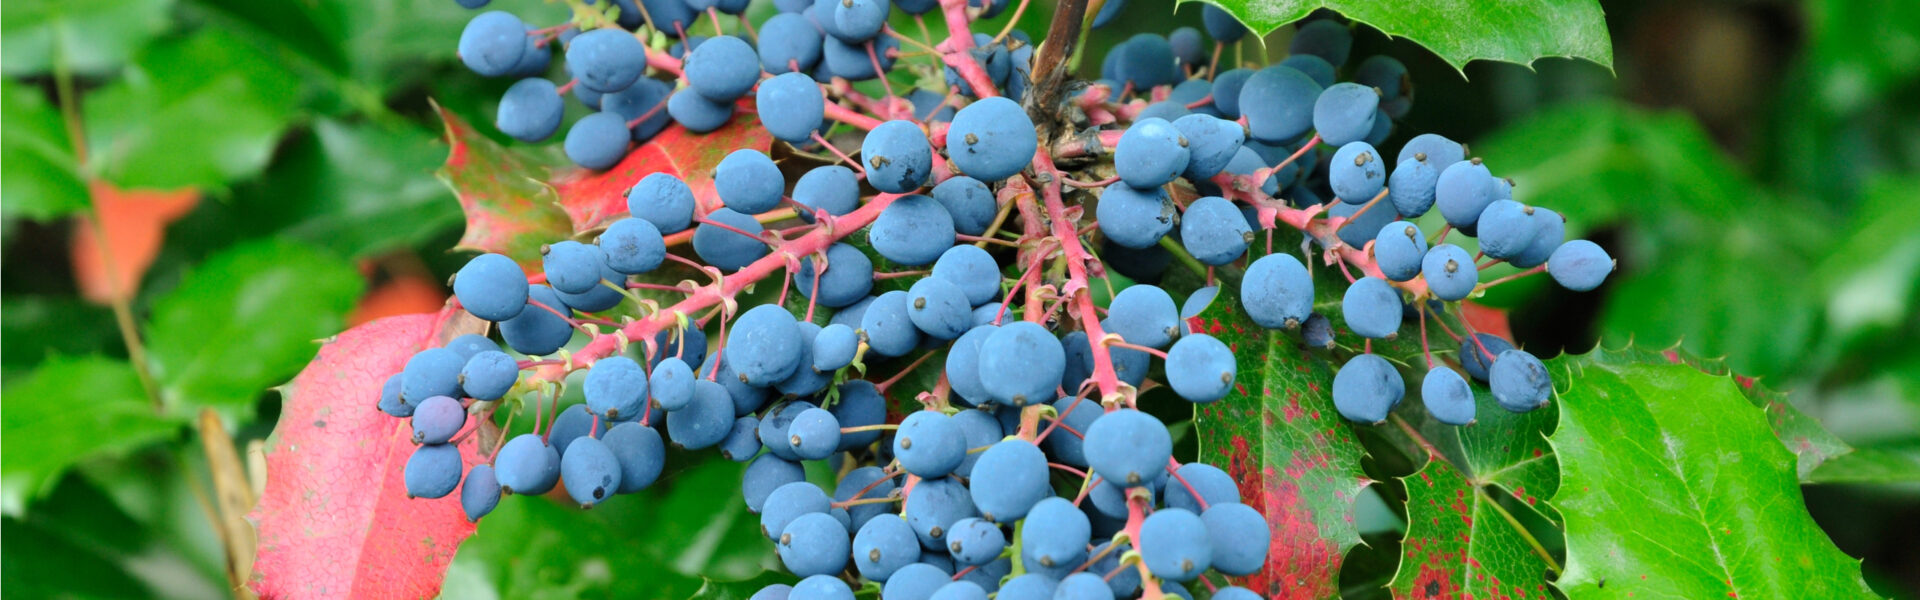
(228, 181)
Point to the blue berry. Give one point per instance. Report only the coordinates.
(1212, 142)
(616, 388)
(664, 200)
(431, 372)
(704, 422)
(791, 107)
(1356, 173)
(914, 230)
(788, 40)
(1549, 231)
(1506, 229)
(1398, 250)
(391, 401)
(728, 248)
(1008, 479)
(975, 541)
(1214, 486)
(1345, 112)
(765, 474)
(1026, 363)
(1150, 154)
(492, 287)
(763, 346)
(1278, 103)
(480, 493)
(1133, 217)
(1447, 396)
(433, 471)
(1239, 537)
(1519, 381)
(748, 182)
(1580, 265)
(1366, 388)
(963, 364)
(492, 43)
(969, 202)
(1174, 544)
(633, 246)
(885, 544)
(822, 587)
(1277, 291)
(437, 419)
(1372, 308)
(527, 465)
(574, 423)
(696, 113)
(929, 444)
(597, 141)
(933, 507)
(815, 544)
(832, 188)
(972, 269)
(590, 471)
(897, 157)
(537, 331)
(722, 68)
(789, 502)
(1200, 368)
(530, 111)
(640, 452)
(1450, 272)
(814, 434)
(743, 441)
(1128, 446)
(887, 326)
(1463, 191)
(834, 348)
(992, 139)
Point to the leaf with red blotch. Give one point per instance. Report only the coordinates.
(335, 520)
(594, 198)
(1462, 544)
(509, 206)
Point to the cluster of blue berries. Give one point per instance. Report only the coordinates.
(1027, 471)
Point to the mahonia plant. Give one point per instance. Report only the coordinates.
(968, 229)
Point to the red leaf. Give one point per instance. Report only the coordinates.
(335, 521)
(1486, 319)
(134, 224)
(509, 207)
(402, 295)
(592, 198)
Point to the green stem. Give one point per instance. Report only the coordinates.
(122, 307)
(1552, 565)
(1186, 259)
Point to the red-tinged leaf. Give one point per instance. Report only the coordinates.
(592, 198)
(1297, 462)
(402, 295)
(1486, 319)
(134, 225)
(1461, 543)
(510, 209)
(335, 520)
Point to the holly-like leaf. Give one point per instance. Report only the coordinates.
(1462, 544)
(1296, 462)
(69, 410)
(335, 520)
(1673, 485)
(90, 36)
(202, 111)
(1459, 31)
(245, 318)
(510, 208)
(1509, 450)
(593, 199)
(40, 178)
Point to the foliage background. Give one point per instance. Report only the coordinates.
(261, 175)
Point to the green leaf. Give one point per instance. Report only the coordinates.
(203, 111)
(38, 327)
(40, 178)
(67, 411)
(353, 189)
(1461, 543)
(246, 319)
(91, 36)
(1861, 49)
(1673, 485)
(1872, 279)
(41, 563)
(670, 538)
(1459, 31)
(1868, 466)
(510, 208)
(1508, 449)
(1295, 459)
